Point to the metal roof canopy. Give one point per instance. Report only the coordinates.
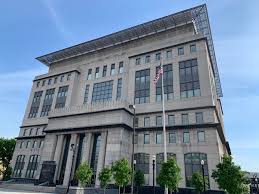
(198, 15)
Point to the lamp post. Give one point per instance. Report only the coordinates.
(132, 106)
(72, 148)
(154, 160)
(202, 167)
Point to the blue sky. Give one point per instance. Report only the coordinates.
(32, 28)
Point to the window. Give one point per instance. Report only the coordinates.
(158, 138)
(146, 121)
(168, 84)
(19, 165)
(171, 120)
(112, 69)
(119, 87)
(181, 51)
(97, 73)
(186, 137)
(32, 166)
(169, 54)
(172, 137)
(61, 97)
(28, 144)
(137, 61)
(201, 136)
(89, 75)
(121, 67)
(146, 138)
(40, 144)
(192, 162)
(62, 78)
(102, 91)
(68, 76)
(46, 107)
(142, 86)
(136, 121)
(37, 131)
(136, 139)
(158, 56)
(142, 162)
(192, 48)
(49, 81)
(185, 119)
(199, 117)
(35, 104)
(104, 70)
(38, 84)
(21, 144)
(34, 145)
(160, 160)
(86, 94)
(24, 132)
(30, 131)
(147, 59)
(55, 80)
(158, 120)
(43, 83)
(189, 79)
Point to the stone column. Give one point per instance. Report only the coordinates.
(69, 160)
(101, 157)
(57, 155)
(86, 148)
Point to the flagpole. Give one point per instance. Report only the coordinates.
(164, 129)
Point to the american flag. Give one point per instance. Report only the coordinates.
(159, 72)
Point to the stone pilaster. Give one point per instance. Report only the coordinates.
(86, 148)
(57, 155)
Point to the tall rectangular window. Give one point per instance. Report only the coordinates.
(35, 104)
(19, 165)
(86, 94)
(172, 137)
(121, 67)
(61, 97)
(68, 76)
(136, 122)
(158, 56)
(112, 69)
(199, 117)
(146, 138)
(97, 72)
(147, 59)
(168, 84)
(158, 120)
(142, 86)
(49, 81)
(146, 121)
(137, 61)
(186, 137)
(201, 136)
(55, 80)
(193, 48)
(89, 75)
(104, 70)
(119, 87)
(169, 54)
(102, 91)
(189, 78)
(158, 138)
(185, 119)
(181, 51)
(171, 120)
(28, 144)
(38, 84)
(43, 83)
(32, 166)
(47, 102)
(62, 78)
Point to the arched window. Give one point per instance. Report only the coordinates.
(160, 160)
(192, 162)
(142, 162)
(19, 165)
(32, 166)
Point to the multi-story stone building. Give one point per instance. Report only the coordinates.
(85, 96)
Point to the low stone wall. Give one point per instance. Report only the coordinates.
(28, 187)
(79, 190)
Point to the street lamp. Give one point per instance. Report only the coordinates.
(132, 106)
(72, 148)
(154, 160)
(202, 167)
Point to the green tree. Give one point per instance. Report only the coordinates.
(121, 173)
(105, 177)
(6, 152)
(230, 177)
(84, 174)
(139, 179)
(170, 175)
(197, 182)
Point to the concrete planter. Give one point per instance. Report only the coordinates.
(80, 190)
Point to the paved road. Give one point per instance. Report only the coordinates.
(12, 191)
